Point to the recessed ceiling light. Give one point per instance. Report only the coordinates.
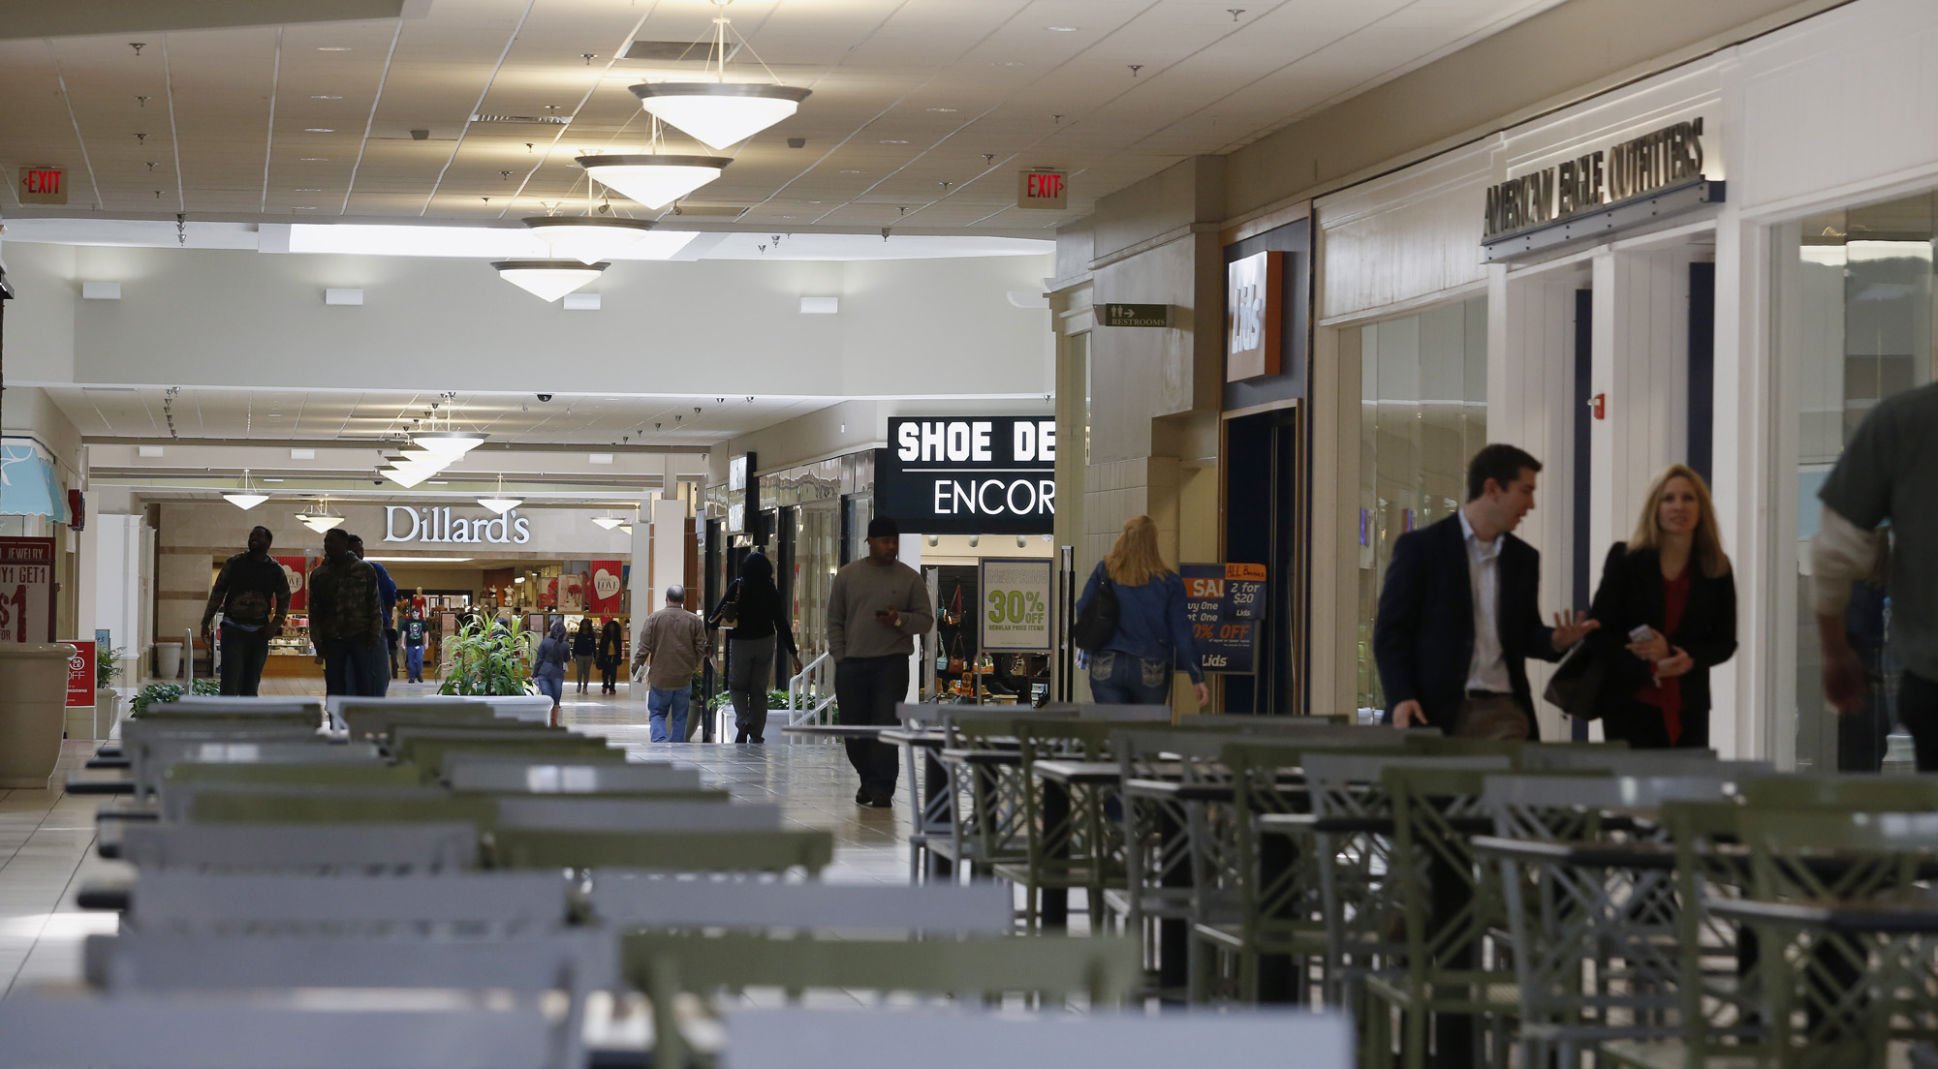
(1061, 29)
(1009, 63)
(894, 141)
(849, 170)
(308, 189)
(305, 208)
(333, 48)
(943, 111)
(324, 96)
(315, 159)
(318, 130)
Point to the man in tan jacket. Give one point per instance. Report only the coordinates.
(674, 645)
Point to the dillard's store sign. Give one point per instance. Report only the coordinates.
(402, 523)
(1648, 164)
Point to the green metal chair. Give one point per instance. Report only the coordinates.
(1068, 845)
(1104, 970)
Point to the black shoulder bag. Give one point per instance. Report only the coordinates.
(1097, 623)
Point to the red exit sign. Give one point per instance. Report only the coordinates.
(1042, 189)
(43, 185)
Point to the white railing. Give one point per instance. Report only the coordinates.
(810, 694)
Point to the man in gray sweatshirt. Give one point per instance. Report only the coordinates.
(876, 608)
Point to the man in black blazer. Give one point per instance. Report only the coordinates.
(1459, 613)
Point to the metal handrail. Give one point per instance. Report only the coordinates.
(814, 683)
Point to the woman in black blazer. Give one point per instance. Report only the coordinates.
(1672, 579)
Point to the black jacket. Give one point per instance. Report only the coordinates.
(758, 611)
(1423, 638)
(585, 641)
(612, 643)
(1631, 594)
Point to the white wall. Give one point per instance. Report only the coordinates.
(222, 317)
(40, 318)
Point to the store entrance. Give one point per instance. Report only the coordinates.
(1264, 474)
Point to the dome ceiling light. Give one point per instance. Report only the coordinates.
(720, 113)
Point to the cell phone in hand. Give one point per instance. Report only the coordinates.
(1642, 633)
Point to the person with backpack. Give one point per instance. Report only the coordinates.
(1131, 622)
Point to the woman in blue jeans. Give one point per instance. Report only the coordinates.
(1153, 637)
(548, 666)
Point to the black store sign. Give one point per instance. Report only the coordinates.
(981, 475)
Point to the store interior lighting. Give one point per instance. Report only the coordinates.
(548, 280)
(587, 239)
(498, 503)
(652, 179)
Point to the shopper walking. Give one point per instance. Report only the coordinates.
(585, 648)
(252, 593)
(1889, 472)
(387, 601)
(1153, 640)
(875, 609)
(346, 621)
(1667, 609)
(612, 653)
(416, 634)
(673, 645)
(548, 666)
(759, 622)
(1459, 613)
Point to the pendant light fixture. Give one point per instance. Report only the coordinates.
(446, 442)
(321, 520)
(500, 504)
(587, 239)
(653, 179)
(246, 498)
(607, 522)
(625, 528)
(548, 280)
(720, 113)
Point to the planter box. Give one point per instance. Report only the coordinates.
(33, 693)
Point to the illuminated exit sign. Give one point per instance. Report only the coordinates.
(1042, 189)
(43, 185)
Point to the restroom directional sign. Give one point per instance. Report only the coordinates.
(1137, 315)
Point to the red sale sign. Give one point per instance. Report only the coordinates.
(80, 676)
(26, 590)
(607, 582)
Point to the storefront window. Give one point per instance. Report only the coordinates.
(1855, 315)
(1423, 411)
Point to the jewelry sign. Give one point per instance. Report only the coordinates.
(26, 590)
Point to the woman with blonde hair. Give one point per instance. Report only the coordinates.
(1152, 639)
(1667, 606)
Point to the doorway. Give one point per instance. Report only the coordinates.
(1263, 476)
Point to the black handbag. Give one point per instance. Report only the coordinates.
(1577, 683)
(1097, 623)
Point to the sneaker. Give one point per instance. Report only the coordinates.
(880, 800)
(862, 796)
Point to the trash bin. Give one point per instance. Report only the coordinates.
(33, 701)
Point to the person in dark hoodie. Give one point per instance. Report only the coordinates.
(757, 621)
(612, 653)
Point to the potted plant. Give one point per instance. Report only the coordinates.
(33, 698)
(162, 693)
(107, 703)
(488, 660)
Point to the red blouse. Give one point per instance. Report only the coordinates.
(1666, 694)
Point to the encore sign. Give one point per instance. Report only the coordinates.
(1635, 168)
(402, 523)
(990, 475)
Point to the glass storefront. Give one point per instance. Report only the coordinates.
(1423, 411)
(1854, 305)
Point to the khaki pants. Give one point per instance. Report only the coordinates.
(1496, 716)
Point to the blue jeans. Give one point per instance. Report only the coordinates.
(552, 687)
(414, 663)
(1119, 678)
(662, 703)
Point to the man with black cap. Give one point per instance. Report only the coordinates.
(876, 608)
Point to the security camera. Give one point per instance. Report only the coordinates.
(545, 397)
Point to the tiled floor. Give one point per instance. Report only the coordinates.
(47, 837)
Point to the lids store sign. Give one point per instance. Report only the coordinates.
(1602, 181)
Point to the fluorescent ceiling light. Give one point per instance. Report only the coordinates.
(587, 239)
(548, 280)
(720, 114)
(654, 180)
(466, 242)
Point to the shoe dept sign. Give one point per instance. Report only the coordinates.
(983, 475)
(403, 523)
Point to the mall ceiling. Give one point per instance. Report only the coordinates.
(923, 111)
(243, 416)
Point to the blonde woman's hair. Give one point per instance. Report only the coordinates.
(1134, 560)
(1707, 544)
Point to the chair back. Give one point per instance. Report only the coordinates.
(548, 776)
(259, 902)
(310, 848)
(602, 814)
(340, 805)
(626, 901)
(776, 852)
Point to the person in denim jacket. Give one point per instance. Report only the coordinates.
(1153, 638)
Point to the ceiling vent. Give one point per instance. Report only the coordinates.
(524, 120)
(675, 51)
